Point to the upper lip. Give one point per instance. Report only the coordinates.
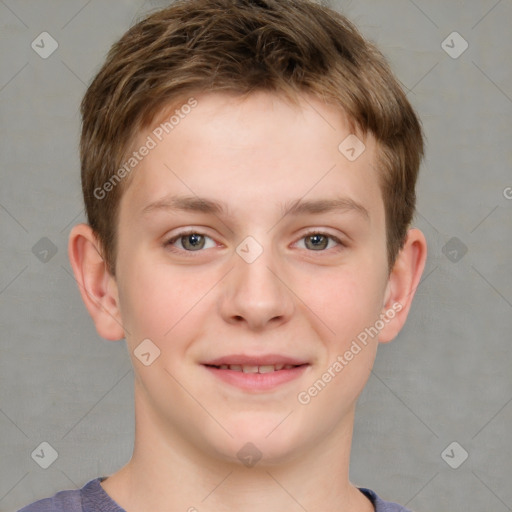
(261, 360)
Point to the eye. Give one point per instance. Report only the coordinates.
(317, 241)
(190, 241)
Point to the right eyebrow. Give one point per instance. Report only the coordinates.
(186, 203)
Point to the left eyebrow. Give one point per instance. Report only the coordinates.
(340, 204)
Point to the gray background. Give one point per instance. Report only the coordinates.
(446, 378)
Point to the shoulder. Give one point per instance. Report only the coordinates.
(381, 505)
(64, 501)
(72, 501)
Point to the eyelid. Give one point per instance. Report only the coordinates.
(169, 241)
(322, 232)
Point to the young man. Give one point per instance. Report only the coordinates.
(248, 170)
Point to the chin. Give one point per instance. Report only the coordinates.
(262, 441)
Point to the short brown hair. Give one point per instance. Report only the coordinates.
(240, 46)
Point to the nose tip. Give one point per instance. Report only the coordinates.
(253, 293)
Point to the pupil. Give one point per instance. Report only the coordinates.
(193, 241)
(318, 241)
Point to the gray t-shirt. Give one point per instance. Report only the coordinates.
(92, 498)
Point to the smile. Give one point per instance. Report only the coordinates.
(268, 368)
(256, 374)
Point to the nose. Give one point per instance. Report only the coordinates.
(255, 294)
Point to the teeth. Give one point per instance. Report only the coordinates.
(267, 369)
(256, 369)
(250, 369)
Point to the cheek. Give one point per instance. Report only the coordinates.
(349, 305)
(346, 300)
(156, 301)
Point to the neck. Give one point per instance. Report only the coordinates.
(168, 473)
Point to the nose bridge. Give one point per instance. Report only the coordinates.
(254, 292)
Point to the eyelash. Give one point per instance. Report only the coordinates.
(169, 243)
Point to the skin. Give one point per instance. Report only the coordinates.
(255, 155)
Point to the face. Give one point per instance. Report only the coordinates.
(248, 241)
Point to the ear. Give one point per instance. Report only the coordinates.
(403, 281)
(97, 286)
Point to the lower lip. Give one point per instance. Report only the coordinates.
(257, 381)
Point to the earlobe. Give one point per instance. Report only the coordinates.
(97, 287)
(402, 284)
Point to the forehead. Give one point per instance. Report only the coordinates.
(260, 149)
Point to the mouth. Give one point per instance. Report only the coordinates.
(256, 373)
(247, 368)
